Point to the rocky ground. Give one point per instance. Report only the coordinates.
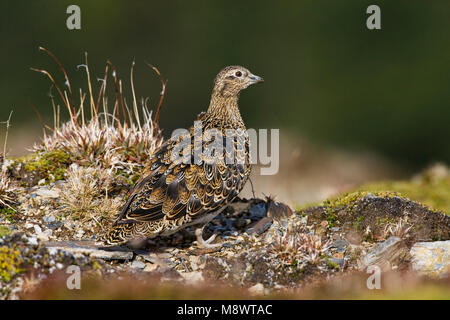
(266, 248)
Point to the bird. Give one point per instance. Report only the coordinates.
(189, 187)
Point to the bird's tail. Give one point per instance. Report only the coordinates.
(118, 234)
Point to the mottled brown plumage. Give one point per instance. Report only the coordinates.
(176, 192)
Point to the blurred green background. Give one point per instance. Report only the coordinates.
(328, 77)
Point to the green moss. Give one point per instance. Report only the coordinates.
(333, 265)
(4, 231)
(129, 178)
(7, 213)
(10, 261)
(348, 202)
(434, 193)
(357, 223)
(50, 166)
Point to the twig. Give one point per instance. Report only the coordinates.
(116, 86)
(135, 109)
(6, 133)
(90, 87)
(64, 72)
(253, 190)
(102, 88)
(57, 88)
(162, 94)
(39, 116)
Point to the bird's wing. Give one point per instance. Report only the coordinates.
(176, 188)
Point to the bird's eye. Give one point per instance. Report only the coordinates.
(238, 73)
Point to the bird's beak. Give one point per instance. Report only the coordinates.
(255, 79)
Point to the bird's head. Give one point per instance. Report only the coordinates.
(231, 80)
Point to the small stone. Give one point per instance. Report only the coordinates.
(55, 225)
(46, 193)
(164, 255)
(340, 245)
(192, 277)
(37, 229)
(257, 289)
(385, 255)
(33, 241)
(150, 267)
(194, 266)
(80, 248)
(431, 258)
(138, 264)
(49, 219)
(260, 226)
(258, 211)
(112, 255)
(42, 236)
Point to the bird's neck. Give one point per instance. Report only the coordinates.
(225, 107)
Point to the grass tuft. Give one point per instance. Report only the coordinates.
(118, 138)
(85, 194)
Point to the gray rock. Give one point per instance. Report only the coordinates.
(340, 245)
(33, 241)
(260, 226)
(138, 264)
(46, 193)
(258, 211)
(385, 255)
(55, 225)
(49, 219)
(89, 248)
(431, 258)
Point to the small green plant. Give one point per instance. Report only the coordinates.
(7, 213)
(333, 265)
(4, 231)
(48, 165)
(10, 261)
(294, 243)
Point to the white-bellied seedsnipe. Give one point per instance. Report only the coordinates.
(176, 192)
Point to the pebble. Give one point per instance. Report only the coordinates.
(79, 250)
(340, 245)
(150, 267)
(46, 193)
(138, 264)
(431, 258)
(257, 289)
(49, 219)
(37, 229)
(33, 241)
(193, 277)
